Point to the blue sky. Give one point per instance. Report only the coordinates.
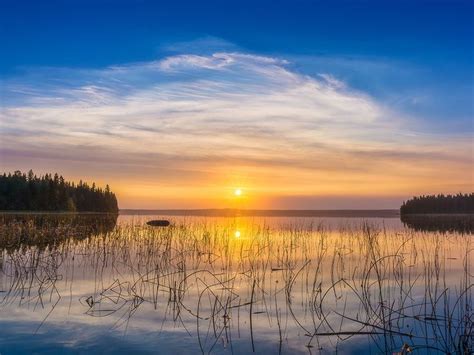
(390, 82)
(391, 49)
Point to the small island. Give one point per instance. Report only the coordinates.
(439, 204)
(440, 213)
(27, 192)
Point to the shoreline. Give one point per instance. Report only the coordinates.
(383, 213)
(54, 212)
(228, 212)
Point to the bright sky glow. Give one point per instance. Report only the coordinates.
(328, 117)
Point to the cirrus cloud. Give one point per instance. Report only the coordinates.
(202, 121)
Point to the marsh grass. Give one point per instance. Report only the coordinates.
(396, 291)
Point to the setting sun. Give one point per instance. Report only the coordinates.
(238, 192)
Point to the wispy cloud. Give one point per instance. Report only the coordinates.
(204, 121)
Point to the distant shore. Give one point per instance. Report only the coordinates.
(55, 212)
(438, 214)
(387, 213)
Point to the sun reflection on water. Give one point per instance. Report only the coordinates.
(222, 272)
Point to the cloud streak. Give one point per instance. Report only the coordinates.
(208, 122)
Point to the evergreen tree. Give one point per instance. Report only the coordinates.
(22, 192)
(460, 203)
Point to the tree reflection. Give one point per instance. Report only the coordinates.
(50, 229)
(440, 223)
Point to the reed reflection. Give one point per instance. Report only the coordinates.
(284, 289)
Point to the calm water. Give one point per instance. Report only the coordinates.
(95, 284)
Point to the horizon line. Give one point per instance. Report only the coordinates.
(236, 212)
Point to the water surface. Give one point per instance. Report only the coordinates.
(102, 284)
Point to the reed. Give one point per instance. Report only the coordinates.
(398, 291)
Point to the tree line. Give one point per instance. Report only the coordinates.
(460, 203)
(28, 192)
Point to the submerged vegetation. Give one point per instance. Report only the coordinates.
(433, 204)
(283, 288)
(21, 192)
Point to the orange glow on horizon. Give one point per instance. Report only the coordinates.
(382, 184)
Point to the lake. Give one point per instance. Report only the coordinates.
(235, 285)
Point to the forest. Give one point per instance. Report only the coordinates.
(28, 192)
(452, 204)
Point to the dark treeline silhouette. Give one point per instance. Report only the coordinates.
(460, 203)
(22, 192)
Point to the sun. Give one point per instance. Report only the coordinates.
(237, 192)
(237, 234)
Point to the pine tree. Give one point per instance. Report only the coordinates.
(52, 193)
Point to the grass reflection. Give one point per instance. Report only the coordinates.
(299, 284)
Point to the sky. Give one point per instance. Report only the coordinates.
(300, 104)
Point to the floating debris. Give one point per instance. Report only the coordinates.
(158, 223)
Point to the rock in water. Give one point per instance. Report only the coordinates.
(158, 223)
